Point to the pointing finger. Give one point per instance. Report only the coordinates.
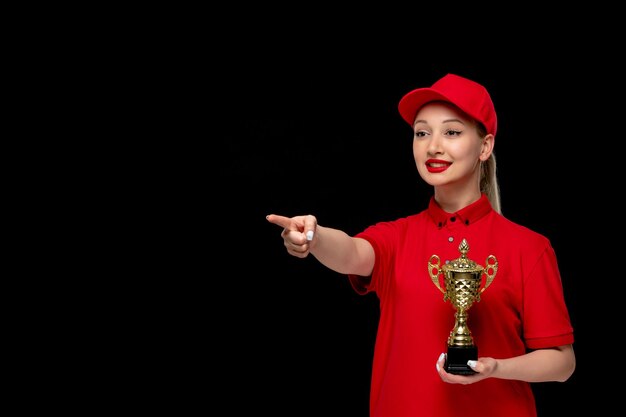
(282, 221)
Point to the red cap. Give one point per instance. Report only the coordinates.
(467, 95)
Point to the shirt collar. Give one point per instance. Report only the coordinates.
(467, 215)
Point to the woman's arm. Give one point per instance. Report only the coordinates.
(541, 365)
(332, 247)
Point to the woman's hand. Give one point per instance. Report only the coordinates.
(298, 233)
(484, 367)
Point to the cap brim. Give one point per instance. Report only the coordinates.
(413, 101)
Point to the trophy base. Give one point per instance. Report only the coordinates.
(456, 360)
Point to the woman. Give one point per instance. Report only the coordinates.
(520, 324)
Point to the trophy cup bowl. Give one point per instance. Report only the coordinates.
(462, 285)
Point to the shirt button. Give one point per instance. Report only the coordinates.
(452, 219)
(450, 239)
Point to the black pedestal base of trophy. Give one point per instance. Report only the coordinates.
(457, 357)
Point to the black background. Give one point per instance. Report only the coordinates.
(195, 123)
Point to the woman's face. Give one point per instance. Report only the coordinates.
(447, 147)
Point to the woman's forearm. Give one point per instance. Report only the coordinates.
(542, 365)
(341, 252)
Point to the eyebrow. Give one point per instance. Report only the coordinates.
(445, 121)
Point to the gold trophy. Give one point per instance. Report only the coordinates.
(462, 279)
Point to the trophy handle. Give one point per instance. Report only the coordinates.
(434, 270)
(491, 268)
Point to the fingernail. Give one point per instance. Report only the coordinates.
(443, 355)
(309, 235)
(471, 363)
(437, 366)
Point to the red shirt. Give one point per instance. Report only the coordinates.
(523, 308)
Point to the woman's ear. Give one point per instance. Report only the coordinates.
(487, 147)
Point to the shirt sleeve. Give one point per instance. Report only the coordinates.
(546, 318)
(383, 237)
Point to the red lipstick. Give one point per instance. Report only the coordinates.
(437, 165)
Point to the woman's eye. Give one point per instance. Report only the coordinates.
(420, 134)
(453, 132)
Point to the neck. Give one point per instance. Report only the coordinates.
(453, 200)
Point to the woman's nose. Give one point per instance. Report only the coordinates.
(434, 146)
